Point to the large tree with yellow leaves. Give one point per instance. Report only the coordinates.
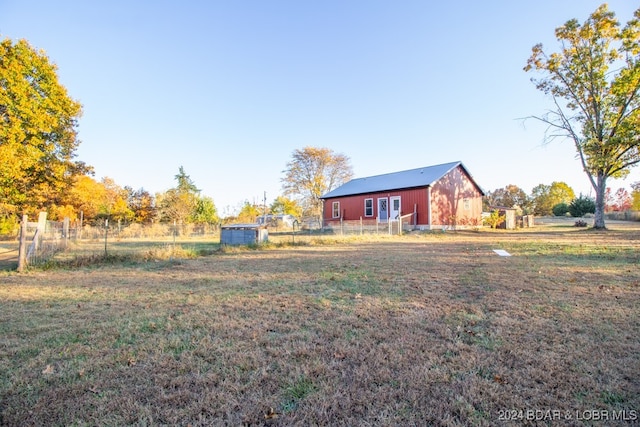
(38, 137)
(594, 83)
(313, 172)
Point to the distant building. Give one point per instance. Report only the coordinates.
(277, 220)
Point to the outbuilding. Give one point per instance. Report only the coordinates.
(243, 234)
(432, 197)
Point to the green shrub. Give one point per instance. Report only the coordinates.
(560, 209)
(581, 206)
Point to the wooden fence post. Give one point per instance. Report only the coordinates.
(79, 233)
(65, 231)
(22, 249)
(106, 234)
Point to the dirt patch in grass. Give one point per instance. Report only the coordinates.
(414, 330)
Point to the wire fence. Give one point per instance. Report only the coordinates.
(357, 227)
(46, 239)
(43, 240)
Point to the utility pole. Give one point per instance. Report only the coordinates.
(264, 203)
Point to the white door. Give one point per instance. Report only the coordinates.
(394, 210)
(383, 210)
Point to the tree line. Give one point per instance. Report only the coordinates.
(559, 199)
(594, 83)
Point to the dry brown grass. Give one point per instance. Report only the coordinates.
(414, 330)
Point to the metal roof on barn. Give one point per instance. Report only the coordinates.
(420, 177)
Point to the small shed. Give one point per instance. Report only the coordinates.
(243, 234)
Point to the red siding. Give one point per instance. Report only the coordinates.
(448, 196)
(448, 204)
(352, 207)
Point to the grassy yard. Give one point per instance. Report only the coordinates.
(422, 329)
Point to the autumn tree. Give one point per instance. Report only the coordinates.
(94, 200)
(115, 205)
(495, 219)
(510, 196)
(177, 204)
(87, 196)
(623, 200)
(594, 83)
(313, 172)
(183, 204)
(618, 201)
(38, 138)
(249, 213)
(285, 206)
(545, 197)
(635, 196)
(142, 204)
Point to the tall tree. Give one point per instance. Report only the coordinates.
(178, 204)
(313, 172)
(87, 196)
(185, 184)
(115, 205)
(594, 82)
(38, 130)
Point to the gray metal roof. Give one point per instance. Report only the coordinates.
(420, 177)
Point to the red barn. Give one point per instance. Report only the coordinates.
(425, 198)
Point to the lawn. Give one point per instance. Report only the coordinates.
(421, 329)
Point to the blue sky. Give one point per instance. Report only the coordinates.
(229, 89)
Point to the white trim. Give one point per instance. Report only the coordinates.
(394, 214)
(365, 208)
(333, 209)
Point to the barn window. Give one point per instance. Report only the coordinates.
(368, 207)
(466, 203)
(335, 210)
